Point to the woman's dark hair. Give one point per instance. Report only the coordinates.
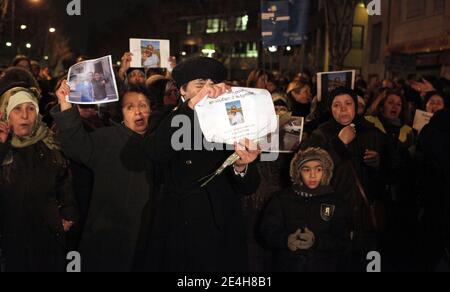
(254, 77)
(131, 89)
(157, 91)
(140, 89)
(404, 115)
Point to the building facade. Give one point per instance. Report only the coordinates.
(416, 38)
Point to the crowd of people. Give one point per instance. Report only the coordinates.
(106, 181)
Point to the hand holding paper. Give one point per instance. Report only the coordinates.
(210, 90)
(248, 153)
(62, 93)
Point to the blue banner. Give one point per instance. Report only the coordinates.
(285, 22)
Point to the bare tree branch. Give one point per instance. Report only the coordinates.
(340, 15)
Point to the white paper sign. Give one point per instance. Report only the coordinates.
(150, 53)
(243, 113)
(421, 120)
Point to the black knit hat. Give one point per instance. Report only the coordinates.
(199, 68)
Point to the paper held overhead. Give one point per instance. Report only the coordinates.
(243, 113)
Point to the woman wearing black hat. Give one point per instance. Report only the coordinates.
(199, 229)
(356, 147)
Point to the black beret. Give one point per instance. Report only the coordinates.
(199, 68)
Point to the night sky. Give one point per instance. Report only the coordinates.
(95, 15)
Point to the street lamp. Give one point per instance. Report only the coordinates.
(28, 46)
(23, 27)
(8, 44)
(273, 49)
(52, 30)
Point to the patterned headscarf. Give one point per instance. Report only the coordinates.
(40, 132)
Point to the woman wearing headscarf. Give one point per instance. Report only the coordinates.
(306, 225)
(356, 147)
(123, 179)
(36, 197)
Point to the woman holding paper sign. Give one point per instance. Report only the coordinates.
(199, 229)
(123, 180)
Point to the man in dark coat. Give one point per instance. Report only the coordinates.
(198, 229)
(122, 181)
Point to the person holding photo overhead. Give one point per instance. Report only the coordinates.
(123, 179)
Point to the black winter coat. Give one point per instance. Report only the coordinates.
(196, 229)
(35, 195)
(434, 182)
(123, 186)
(349, 159)
(323, 214)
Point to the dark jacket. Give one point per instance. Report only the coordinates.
(122, 189)
(196, 229)
(349, 159)
(289, 211)
(35, 195)
(398, 170)
(434, 182)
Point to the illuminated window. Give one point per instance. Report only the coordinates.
(242, 23)
(358, 37)
(245, 50)
(213, 25)
(189, 28)
(252, 50)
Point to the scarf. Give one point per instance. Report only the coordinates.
(40, 132)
